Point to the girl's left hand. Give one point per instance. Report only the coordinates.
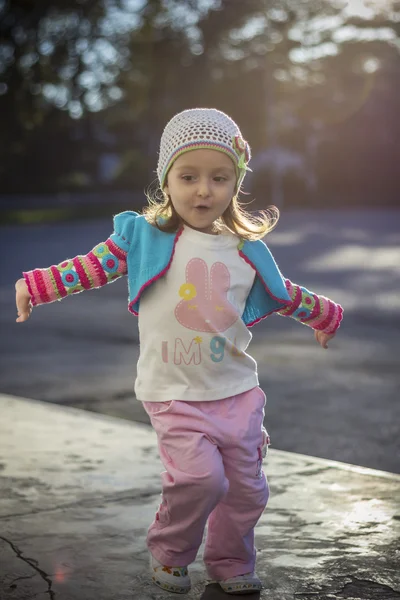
(323, 338)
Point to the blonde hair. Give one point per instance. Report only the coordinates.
(161, 213)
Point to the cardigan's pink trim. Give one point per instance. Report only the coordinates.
(263, 317)
(246, 259)
(153, 279)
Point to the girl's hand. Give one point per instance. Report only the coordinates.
(323, 338)
(23, 301)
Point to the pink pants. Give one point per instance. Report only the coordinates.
(212, 453)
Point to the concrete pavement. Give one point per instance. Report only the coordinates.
(78, 490)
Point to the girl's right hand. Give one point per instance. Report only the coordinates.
(23, 301)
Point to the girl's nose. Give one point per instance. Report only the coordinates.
(203, 189)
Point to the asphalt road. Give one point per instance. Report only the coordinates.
(342, 403)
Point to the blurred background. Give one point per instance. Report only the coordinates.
(86, 88)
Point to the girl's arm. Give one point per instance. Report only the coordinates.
(104, 264)
(320, 313)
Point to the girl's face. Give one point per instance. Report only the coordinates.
(201, 184)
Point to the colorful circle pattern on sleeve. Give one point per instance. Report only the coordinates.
(108, 261)
(70, 277)
(306, 306)
(105, 263)
(315, 311)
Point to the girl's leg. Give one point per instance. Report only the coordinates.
(192, 485)
(230, 550)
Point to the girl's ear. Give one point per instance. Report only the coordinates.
(166, 188)
(165, 191)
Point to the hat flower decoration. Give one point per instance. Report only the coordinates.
(243, 150)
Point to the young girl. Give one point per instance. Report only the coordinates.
(199, 276)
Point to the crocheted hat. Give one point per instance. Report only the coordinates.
(198, 128)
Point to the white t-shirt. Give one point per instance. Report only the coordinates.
(192, 339)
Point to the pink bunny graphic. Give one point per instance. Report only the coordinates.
(205, 306)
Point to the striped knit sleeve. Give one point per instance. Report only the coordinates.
(105, 263)
(315, 311)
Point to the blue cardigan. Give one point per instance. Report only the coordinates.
(150, 253)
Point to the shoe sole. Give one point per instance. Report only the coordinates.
(241, 588)
(169, 587)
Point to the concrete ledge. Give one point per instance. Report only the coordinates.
(78, 491)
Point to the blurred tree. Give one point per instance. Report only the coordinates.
(54, 57)
(322, 72)
(82, 78)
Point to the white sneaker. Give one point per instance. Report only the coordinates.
(242, 584)
(170, 579)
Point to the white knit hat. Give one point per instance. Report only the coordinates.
(199, 128)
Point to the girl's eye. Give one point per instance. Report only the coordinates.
(218, 179)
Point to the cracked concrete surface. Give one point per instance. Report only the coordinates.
(78, 491)
(16, 583)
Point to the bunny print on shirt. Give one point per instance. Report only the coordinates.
(205, 305)
(204, 308)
